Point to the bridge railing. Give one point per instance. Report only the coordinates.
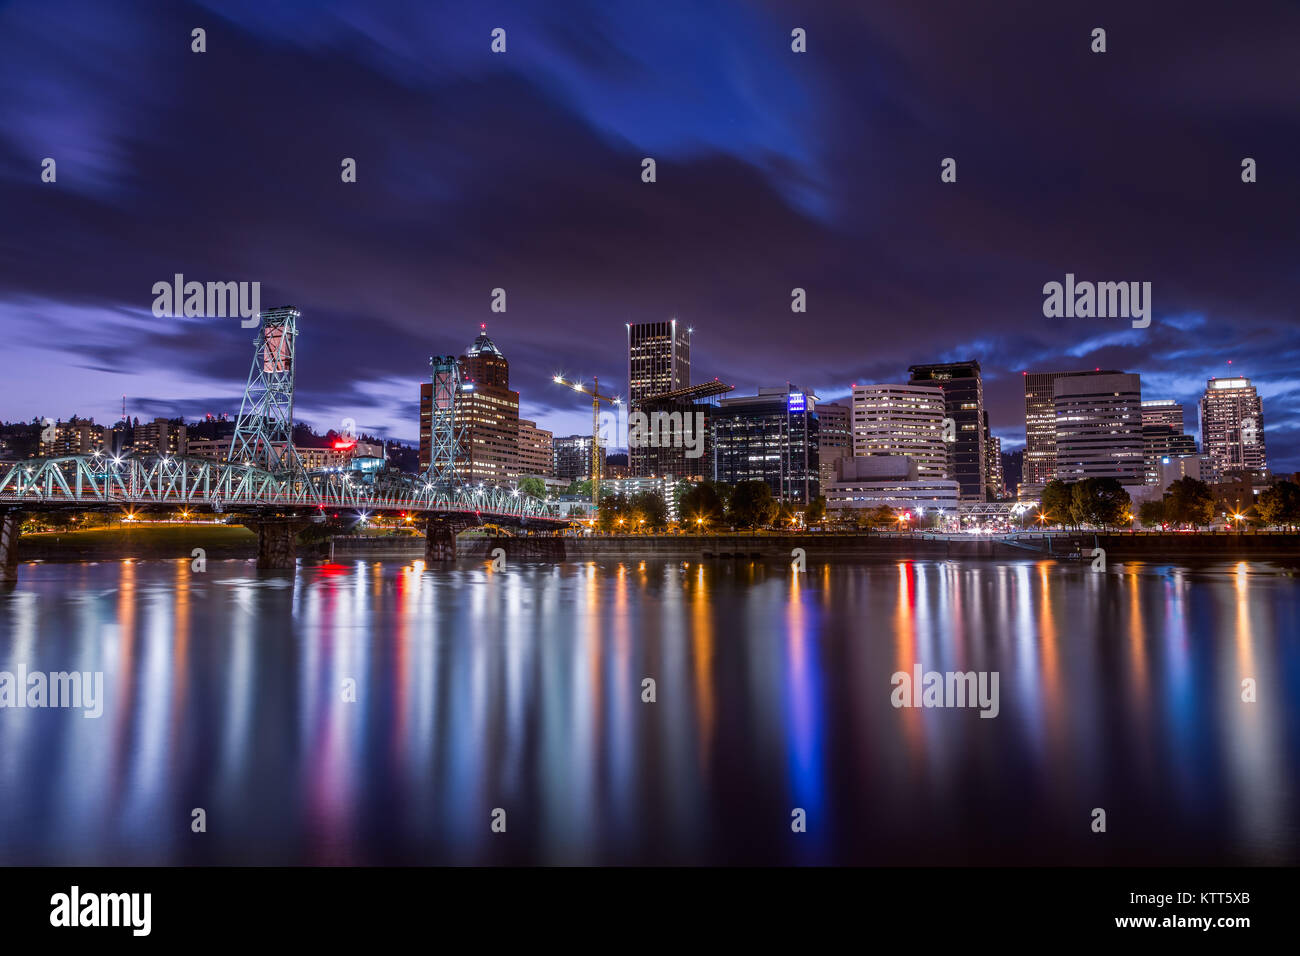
(178, 480)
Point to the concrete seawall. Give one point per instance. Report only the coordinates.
(821, 547)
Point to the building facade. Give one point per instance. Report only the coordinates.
(658, 362)
(963, 392)
(902, 420)
(487, 414)
(1039, 465)
(1232, 427)
(891, 481)
(571, 457)
(159, 437)
(76, 436)
(772, 436)
(834, 438)
(536, 451)
(1099, 427)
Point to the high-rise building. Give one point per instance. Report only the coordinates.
(487, 412)
(1162, 436)
(76, 436)
(834, 440)
(1040, 428)
(571, 457)
(901, 420)
(963, 392)
(1232, 427)
(658, 363)
(658, 359)
(1099, 427)
(996, 483)
(772, 436)
(159, 437)
(536, 455)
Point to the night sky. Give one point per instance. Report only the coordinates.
(523, 171)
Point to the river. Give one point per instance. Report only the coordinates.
(379, 712)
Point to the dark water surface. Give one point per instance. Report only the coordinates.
(522, 690)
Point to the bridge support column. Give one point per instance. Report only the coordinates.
(276, 541)
(11, 524)
(440, 540)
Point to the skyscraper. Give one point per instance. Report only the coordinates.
(1040, 427)
(772, 437)
(486, 409)
(834, 440)
(963, 392)
(536, 454)
(658, 362)
(901, 420)
(658, 359)
(1162, 435)
(1232, 427)
(1099, 427)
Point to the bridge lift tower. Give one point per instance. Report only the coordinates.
(264, 431)
(596, 399)
(446, 434)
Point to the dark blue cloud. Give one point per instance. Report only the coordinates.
(522, 171)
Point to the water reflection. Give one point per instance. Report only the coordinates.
(374, 712)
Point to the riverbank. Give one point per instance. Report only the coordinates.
(139, 541)
(234, 541)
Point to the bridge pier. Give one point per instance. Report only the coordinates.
(440, 540)
(276, 541)
(11, 525)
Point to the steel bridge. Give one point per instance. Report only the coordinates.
(264, 484)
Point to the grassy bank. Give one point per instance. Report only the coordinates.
(140, 541)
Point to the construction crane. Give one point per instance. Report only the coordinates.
(596, 399)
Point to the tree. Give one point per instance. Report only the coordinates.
(1099, 501)
(1280, 504)
(816, 512)
(1057, 502)
(882, 516)
(701, 501)
(579, 486)
(612, 509)
(752, 504)
(532, 485)
(648, 511)
(1152, 513)
(1188, 501)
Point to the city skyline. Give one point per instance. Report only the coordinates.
(812, 174)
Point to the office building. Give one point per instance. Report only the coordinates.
(996, 482)
(835, 438)
(571, 457)
(1099, 427)
(901, 420)
(772, 436)
(487, 415)
(536, 454)
(891, 481)
(658, 365)
(963, 392)
(1039, 464)
(1232, 428)
(664, 485)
